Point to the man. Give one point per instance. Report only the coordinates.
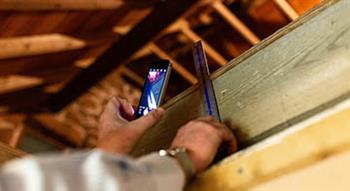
(109, 168)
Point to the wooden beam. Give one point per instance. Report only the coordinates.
(13, 83)
(287, 9)
(176, 66)
(304, 144)
(16, 135)
(187, 31)
(161, 17)
(14, 123)
(234, 21)
(91, 55)
(315, 176)
(39, 5)
(37, 45)
(8, 153)
(274, 85)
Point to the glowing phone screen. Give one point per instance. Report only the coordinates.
(152, 90)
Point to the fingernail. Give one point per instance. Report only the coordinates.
(159, 112)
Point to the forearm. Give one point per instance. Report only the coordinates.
(94, 170)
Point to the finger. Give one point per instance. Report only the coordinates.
(225, 134)
(228, 137)
(127, 110)
(149, 120)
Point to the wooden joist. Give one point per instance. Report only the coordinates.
(183, 26)
(13, 83)
(160, 17)
(300, 70)
(39, 5)
(304, 144)
(37, 45)
(287, 9)
(11, 129)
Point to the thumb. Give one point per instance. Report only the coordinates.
(150, 119)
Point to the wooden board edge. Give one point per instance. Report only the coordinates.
(308, 142)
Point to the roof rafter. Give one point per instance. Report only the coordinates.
(39, 5)
(164, 14)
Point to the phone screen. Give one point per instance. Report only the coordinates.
(154, 87)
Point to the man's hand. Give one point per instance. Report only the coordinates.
(202, 138)
(118, 132)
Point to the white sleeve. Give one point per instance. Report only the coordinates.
(92, 171)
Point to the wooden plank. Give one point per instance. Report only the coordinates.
(8, 153)
(16, 135)
(287, 79)
(161, 17)
(90, 56)
(16, 82)
(37, 45)
(39, 5)
(287, 9)
(330, 174)
(14, 123)
(302, 69)
(311, 141)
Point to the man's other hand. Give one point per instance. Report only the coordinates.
(118, 131)
(202, 138)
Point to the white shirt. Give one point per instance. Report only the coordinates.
(92, 171)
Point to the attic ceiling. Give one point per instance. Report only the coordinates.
(70, 57)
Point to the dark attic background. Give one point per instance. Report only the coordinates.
(61, 61)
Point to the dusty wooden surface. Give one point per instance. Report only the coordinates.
(330, 174)
(300, 70)
(310, 142)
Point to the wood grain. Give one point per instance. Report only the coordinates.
(314, 140)
(37, 45)
(291, 76)
(300, 70)
(319, 176)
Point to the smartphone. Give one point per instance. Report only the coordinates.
(154, 88)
